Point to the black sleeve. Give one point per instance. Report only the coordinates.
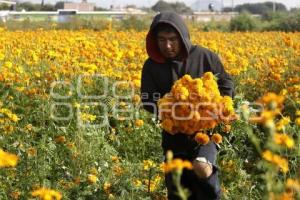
(148, 89)
(225, 82)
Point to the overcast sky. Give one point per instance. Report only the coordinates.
(148, 3)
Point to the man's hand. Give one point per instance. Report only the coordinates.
(203, 169)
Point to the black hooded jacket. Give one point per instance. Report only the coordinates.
(159, 74)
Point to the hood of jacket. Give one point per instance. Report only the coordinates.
(175, 21)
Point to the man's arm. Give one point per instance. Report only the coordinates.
(225, 82)
(148, 89)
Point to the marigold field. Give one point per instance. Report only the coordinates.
(71, 124)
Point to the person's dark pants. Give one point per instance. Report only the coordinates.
(200, 189)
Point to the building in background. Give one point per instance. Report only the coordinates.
(83, 6)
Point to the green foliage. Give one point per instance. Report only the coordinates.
(243, 22)
(178, 7)
(48, 7)
(59, 5)
(28, 6)
(134, 23)
(260, 8)
(4, 6)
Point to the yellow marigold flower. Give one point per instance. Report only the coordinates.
(186, 78)
(76, 105)
(8, 129)
(148, 164)
(137, 183)
(115, 158)
(139, 122)
(182, 93)
(283, 139)
(292, 184)
(8, 159)
(15, 194)
(227, 128)
(2, 56)
(46, 194)
(202, 138)
(87, 117)
(217, 138)
(282, 123)
(31, 152)
(92, 178)
(208, 76)
(14, 117)
(107, 187)
(136, 99)
(267, 155)
(228, 106)
(29, 127)
(282, 163)
(297, 121)
(118, 171)
(94, 171)
(7, 64)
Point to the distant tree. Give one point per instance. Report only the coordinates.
(290, 22)
(100, 9)
(259, 8)
(48, 7)
(295, 9)
(59, 5)
(178, 7)
(227, 9)
(4, 6)
(28, 6)
(273, 16)
(131, 6)
(243, 22)
(162, 6)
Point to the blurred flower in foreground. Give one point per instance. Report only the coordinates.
(8, 159)
(175, 164)
(46, 194)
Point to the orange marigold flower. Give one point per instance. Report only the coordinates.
(283, 139)
(60, 139)
(176, 165)
(202, 138)
(139, 122)
(267, 155)
(292, 184)
(217, 138)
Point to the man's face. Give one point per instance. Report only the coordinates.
(169, 44)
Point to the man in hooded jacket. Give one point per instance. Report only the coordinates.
(171, 55)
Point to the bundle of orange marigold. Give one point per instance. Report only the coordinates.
(195, 106)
